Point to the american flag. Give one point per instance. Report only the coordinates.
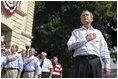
(10, 7)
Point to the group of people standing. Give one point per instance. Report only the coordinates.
(89, 47)
(19, 65)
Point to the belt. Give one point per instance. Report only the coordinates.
(87, 57)
(11, 68)
(45, 72)
(30, 71)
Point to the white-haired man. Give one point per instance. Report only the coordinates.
(31, 66)
(46, 66)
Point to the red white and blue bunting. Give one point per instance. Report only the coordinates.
(10, 7)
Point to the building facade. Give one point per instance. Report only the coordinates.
(17, 28)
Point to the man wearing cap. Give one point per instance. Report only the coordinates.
(46, 66)
(13, 63)
(89, 45)
(31, 66)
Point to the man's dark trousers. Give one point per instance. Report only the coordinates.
(88, 66)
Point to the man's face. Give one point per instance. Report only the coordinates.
(13, 48)
(23, 53)
(31, 52)
(43, 56)
(86, 17)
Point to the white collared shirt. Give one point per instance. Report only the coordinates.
(3, 59)
(47, 64)
(97, 46)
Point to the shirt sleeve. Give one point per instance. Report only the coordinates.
(61, 70)
(37, 68)
(2, 60)
(50, 64)
(104, 52)
(20, 62)
(5, 62)
(74, 43)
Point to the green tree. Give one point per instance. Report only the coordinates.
(55, 20)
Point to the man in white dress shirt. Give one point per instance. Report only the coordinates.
(46, 66)
(89, 45)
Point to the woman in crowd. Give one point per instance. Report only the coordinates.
(57, 68)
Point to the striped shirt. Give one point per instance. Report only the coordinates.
(57, 69)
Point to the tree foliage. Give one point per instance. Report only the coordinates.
(55, 20)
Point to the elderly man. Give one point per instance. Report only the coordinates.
(13, 63)
(89, 45)
(46, 66)
(23, 54)
(31, 66)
